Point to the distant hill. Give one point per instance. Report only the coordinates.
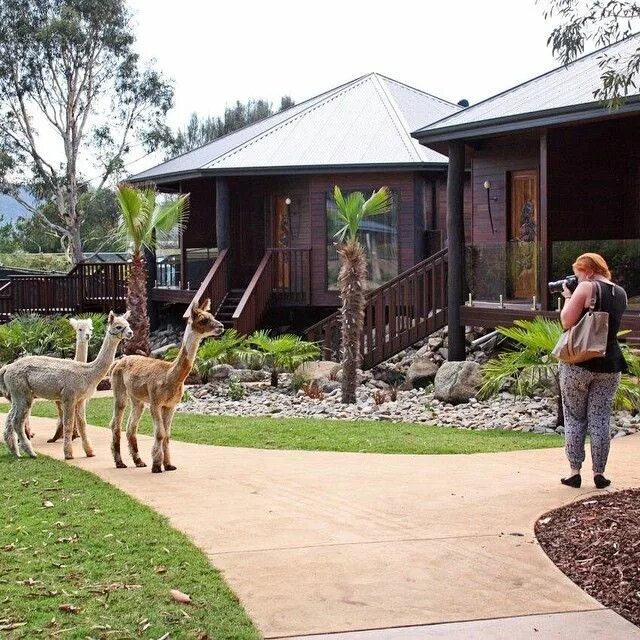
(11, 209)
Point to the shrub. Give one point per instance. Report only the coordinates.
(313, 390)
(379, 397)
(299, 380)
(235, 390)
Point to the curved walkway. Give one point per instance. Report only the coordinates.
(317, 543)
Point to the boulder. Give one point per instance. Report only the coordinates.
(361, 376)
(220, 372)
(421, 372)
(388, 374)
(457, 382)
(160, 351)
(249, 375)
(318, 369)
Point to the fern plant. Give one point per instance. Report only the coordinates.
(283, 353)
(530, 365)
(229, 348)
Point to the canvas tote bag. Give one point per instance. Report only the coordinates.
(588, 338)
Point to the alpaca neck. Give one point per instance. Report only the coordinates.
(82, 350)
(103, 361)
(182, 364)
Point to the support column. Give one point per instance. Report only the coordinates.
(455, 240)
(223, 214)
(543, 222)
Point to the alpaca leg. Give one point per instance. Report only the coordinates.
(59, 427)
(119, 404)
(167, 419)
(68, 422)
(27, 429)
(10, 435)
(80, 424)
(158, 435)
(137, 408)
(20, 420)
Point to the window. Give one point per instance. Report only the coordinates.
(379, 237)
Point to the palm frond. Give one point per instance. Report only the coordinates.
(352, 210)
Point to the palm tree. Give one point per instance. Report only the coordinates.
(351, 211)
(141, 217)
(283, 353)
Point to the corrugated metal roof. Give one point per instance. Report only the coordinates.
(566, 86)
(367, 121)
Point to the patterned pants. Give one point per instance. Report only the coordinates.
(586, 401)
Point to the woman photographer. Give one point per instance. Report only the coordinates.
(588, 388)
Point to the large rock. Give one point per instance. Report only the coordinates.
(421, 372)
(388, 374)
(457, 382)
(248, 375)
(318, 369)
(220, 372)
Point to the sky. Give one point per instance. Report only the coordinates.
(219, 52)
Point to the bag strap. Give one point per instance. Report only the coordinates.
(595, 295)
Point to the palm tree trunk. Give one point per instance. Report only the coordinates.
(274, 377)
(137, 304)
(351, 280)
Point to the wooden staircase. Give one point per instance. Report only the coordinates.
(228, 307)
(399, 313)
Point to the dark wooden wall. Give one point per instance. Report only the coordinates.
(320, 185)
(492, 161)
(594, 190)
(200, 230)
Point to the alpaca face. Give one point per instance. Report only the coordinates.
(118, 326)
(83, 328)
(203, 321)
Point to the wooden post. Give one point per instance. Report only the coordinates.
(455, 239)
(545, 244)
(223, 214)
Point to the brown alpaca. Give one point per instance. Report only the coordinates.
(159, 384)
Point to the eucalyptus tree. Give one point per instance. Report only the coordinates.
(601, 23)
(143, 217)
(75, 100)
(351, 211)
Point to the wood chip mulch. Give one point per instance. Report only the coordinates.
(596, 543)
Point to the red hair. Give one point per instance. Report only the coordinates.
(593, 262)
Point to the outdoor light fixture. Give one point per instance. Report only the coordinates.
(287, 201)
(487, 186)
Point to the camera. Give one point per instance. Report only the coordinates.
(570, 281)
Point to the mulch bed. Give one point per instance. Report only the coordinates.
(596, 543)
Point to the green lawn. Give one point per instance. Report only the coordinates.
(68, 538)
(322, 435)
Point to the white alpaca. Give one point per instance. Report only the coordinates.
(68, 381)
(84, 331)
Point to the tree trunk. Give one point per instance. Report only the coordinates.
(137, 305)
(75, 244)
(351, 280)
(274, 377)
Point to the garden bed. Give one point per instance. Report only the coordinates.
(596, 543)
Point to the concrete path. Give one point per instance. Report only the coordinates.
(388, 546)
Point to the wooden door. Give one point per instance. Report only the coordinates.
(281, 238)
(523, 234)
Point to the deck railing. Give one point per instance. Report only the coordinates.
(283, 275)
(87, 287)
(215, 285)
(397, 314)
(255, 300)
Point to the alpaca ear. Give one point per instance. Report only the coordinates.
(205, 305)
(110, 318)
(127, 314)
(90, 323)
(74, 323)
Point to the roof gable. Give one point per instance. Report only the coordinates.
(365, 122)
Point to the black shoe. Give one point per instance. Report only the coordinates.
(601, 482)
(573, 481)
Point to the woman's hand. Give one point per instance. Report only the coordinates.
(574, 306)
(566, 293)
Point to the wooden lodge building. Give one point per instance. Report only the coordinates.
(260, 235)
(554, 174)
